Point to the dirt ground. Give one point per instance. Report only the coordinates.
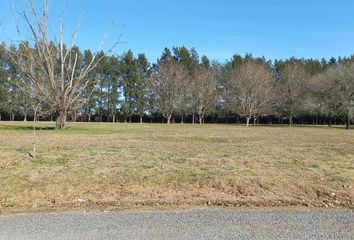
(100, 166)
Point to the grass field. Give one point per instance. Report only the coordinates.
(103, 166)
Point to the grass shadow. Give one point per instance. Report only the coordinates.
(26, 128)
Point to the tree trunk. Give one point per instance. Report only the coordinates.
(238, 120)
(169, 118)
(182, 119)
(25, 118)
(329, 120)
(347, 121)
(113, 118)
(61, 120)
(89, 116)
(254, 122)
(290, 120)
(201, 118)
(247, 121)
(141, 119)
(193, 118)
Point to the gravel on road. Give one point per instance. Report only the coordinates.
(181, 224)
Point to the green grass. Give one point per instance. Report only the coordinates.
(342, 179)
(316, 166)
(41, 161)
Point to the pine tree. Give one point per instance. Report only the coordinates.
(111, 75)
(90, 96)
(100, 89)
(129, 76)
(3, 80)
(141, 86)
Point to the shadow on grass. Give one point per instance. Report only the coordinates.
(45, 128)
(324, 126)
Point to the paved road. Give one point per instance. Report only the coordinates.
(190, 224)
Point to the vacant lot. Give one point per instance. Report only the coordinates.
(129, 165)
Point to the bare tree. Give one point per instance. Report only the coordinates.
(291, 88)
(166, 87)
(203, 92)
(333, 91)
(54, 70)
(342, 82)
(325, 91)
(185, 97)
(249, 89)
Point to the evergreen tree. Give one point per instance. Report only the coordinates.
(166, 56)
(90, 97)
(3, 80)
(111, 75)
(141, 86)
(100, 90)
(12, 89)
(313, 66)
(130, 77)
(205, 62)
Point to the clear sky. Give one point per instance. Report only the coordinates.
(218, 29)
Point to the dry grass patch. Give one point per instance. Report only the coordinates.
(125, 165)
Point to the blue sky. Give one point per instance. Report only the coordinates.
(218, 29)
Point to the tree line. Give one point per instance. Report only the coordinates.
(180, 87)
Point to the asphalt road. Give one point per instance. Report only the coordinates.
(189, 224)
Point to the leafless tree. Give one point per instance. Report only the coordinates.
(166, 87)
(249, 89)
(325, 91)
(291, 88)
(333, 92)
(185, 97)
(342, 82)
(203, 92)
(54, 71)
